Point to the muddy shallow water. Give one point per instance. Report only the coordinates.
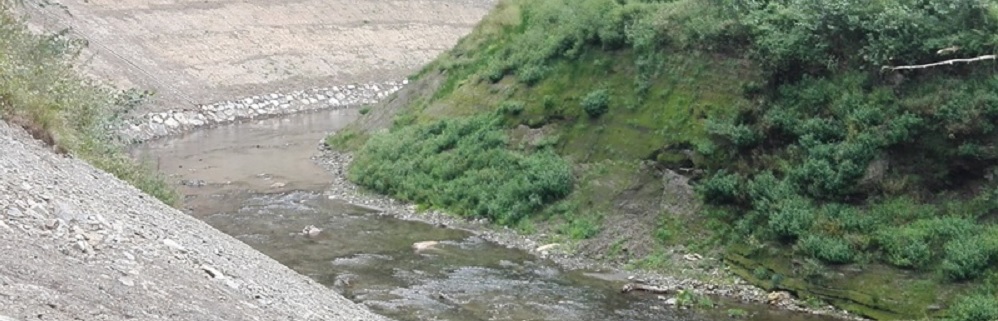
(256, 182)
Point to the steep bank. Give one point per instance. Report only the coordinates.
(82, 244)
(192, 54)
(764, 133)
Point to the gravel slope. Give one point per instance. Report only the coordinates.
(79, 244)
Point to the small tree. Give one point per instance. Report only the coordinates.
(596, 103)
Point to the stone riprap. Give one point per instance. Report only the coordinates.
(160, 124)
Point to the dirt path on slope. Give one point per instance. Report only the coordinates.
(199, 52)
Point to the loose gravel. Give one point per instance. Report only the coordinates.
(79, 244)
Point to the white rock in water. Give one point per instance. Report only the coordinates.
(425, 245)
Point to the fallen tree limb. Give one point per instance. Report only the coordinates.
(945, 62)
(646, 288)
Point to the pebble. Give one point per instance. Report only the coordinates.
(214, 273)
(174, 245)
(82, 246)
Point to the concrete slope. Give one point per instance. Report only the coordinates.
(203, 51)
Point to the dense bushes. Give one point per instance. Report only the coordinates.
(976, 307)
(462, 165)
(797, 37)
(554, 30)
(969, 256)
(824, 153)
(850, 163)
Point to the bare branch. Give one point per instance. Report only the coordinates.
(948, 50)
(945, 62)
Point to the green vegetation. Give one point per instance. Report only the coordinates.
(42, 92)
(737, 313)
(794, 135)
(480, 176)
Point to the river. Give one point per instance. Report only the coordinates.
(257, 181)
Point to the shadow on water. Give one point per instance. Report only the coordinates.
(256, 182)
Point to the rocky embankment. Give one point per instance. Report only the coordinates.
(161, 124)
(80, 244)
(714, 282)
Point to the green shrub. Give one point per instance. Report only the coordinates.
(738, 134)
(581, 228)
(792, 218)
(968, 257)
(722, 187)
(463, 165)
(976, 307)
(511, 107)
(913, 245)
(596, 103)
(828, 249)
(795, 37)
(906, 247)
(531, 75)
(548, 103)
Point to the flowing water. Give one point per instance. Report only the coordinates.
(256, 181)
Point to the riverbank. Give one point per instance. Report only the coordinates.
(80, 244)
(156, 125)
(713, 282)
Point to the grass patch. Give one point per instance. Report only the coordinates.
(348, 139)
(42, 92)
(462, 165)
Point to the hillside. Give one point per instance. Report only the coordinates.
(765, 132)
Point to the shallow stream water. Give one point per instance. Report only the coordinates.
(256, 182)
